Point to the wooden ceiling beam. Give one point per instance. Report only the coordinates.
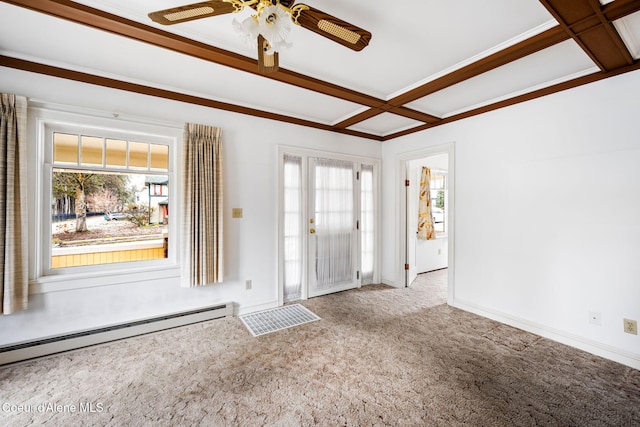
(357, 118)
(612, 33)
(387, 108)
(512, 53)
(570, 84)
(611, 12)
(607, 14)
(520, 50)
(49, 70)
(586, 22)
(96, 18)
(413, 114)
(620, 8)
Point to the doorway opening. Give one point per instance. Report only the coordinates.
(429, 260)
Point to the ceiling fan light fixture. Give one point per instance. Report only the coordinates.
(274, 25)
(270, 24)
(247, 30)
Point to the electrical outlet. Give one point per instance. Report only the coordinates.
(236, 213)
(248, 284)
(631, 326)
(595, 318)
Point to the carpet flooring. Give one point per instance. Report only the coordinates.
(379, 356)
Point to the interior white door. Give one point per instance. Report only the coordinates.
(412, 195)
(332, 243)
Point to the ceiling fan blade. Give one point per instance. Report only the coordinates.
(331, 27)
(190, 12)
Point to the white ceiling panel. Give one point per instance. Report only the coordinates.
(553, 65)
(384, 124)
(629, 29)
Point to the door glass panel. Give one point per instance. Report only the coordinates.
(333, 216)
(367, 224)
(292, 245)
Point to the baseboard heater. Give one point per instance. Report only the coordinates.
(56, 344)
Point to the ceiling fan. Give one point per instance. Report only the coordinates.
(270, 24)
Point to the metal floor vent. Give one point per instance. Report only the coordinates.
(276, 319)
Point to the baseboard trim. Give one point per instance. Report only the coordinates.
(608, 352)
(85, 338)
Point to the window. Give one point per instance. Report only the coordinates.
(438, 186)
(99, 213)
(87, 169)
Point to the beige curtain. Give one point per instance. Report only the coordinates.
(13, 205)
(203, 230)
(426, 227)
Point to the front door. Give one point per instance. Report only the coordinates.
(332, 226)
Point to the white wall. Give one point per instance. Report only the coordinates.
(539, 251)
(547, 214)
(250, 174)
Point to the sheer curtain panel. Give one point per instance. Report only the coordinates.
(367, 224)
(292, 250)
(13, 206)
(203, 226)
(334, 217)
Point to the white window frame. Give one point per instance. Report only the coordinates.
(445, 233)
(43, 120)
(305, 154)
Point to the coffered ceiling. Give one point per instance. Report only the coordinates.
(428, 63)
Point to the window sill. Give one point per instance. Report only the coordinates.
(66, 282)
